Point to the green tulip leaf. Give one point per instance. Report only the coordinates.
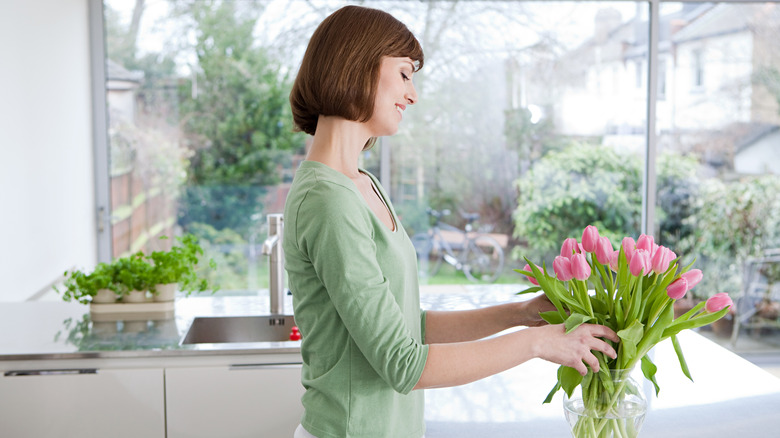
(649, 369)
(698, 321)
(552, 393)
(575, 320)
(599, 306)
(569, 379)
(630, 337)
(530, 290)
(656, 332)
(689, 314)
(552, 317)
(681, 358)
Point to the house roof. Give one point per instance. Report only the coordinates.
(720, 19)
(756, 133)
(634, 33)
(116, 72)
(688, 13)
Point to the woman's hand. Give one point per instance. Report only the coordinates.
(531, 310)
(574, 349)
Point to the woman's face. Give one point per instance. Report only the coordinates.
(395, 91)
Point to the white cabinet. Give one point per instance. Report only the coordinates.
(83, 403)
(255, 401)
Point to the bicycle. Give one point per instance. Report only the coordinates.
(478, 255)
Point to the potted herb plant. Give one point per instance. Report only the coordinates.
(129, 278)
(97, 286)
(133, 277)
(178, 267)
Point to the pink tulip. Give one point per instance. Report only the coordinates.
(693, 276)
(527, 268)
(569, 247)
(603, 250)
(640, 263)
(580, 267)
(655, 249)
(562, 267)
(614, 260)
(661, 259)
(629, 246)
(718, 302)
(590, 238)
(646, 243)
(677, 289)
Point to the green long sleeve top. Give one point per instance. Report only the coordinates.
(357, 305)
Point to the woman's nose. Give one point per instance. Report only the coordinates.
(411, 94)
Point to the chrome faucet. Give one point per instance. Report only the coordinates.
(273, 247)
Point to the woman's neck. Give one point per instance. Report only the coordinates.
(337, 143)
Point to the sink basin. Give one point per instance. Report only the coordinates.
(226, 329)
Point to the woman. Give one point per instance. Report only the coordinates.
(367, 347)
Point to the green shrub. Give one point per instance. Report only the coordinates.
(581, 185)
(732, 221)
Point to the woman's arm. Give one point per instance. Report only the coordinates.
(470, 325)
(465, 362)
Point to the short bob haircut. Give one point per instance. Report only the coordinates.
(339, 73)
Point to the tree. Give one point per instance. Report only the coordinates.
(122, 41)
(235, 114)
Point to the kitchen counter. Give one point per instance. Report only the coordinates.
(56, 363)
(730, 396)
(60, 330)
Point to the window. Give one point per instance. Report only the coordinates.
(716, 145)
(511, 123)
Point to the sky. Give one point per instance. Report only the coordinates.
(571, 22)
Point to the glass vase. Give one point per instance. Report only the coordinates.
(608, 404)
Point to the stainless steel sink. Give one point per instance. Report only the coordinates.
(227, 329)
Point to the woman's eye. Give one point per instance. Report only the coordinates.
(403, 75)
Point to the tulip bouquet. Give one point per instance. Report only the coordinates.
(631, 290)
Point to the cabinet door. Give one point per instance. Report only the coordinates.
(230, 402)
(82, 403)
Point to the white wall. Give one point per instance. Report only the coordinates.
(724, 98)
(47, 218)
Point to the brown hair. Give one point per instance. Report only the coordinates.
(340, 69)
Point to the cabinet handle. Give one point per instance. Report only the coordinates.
(50, 372)
(264, 366)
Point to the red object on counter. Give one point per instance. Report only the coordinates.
(295, 335)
